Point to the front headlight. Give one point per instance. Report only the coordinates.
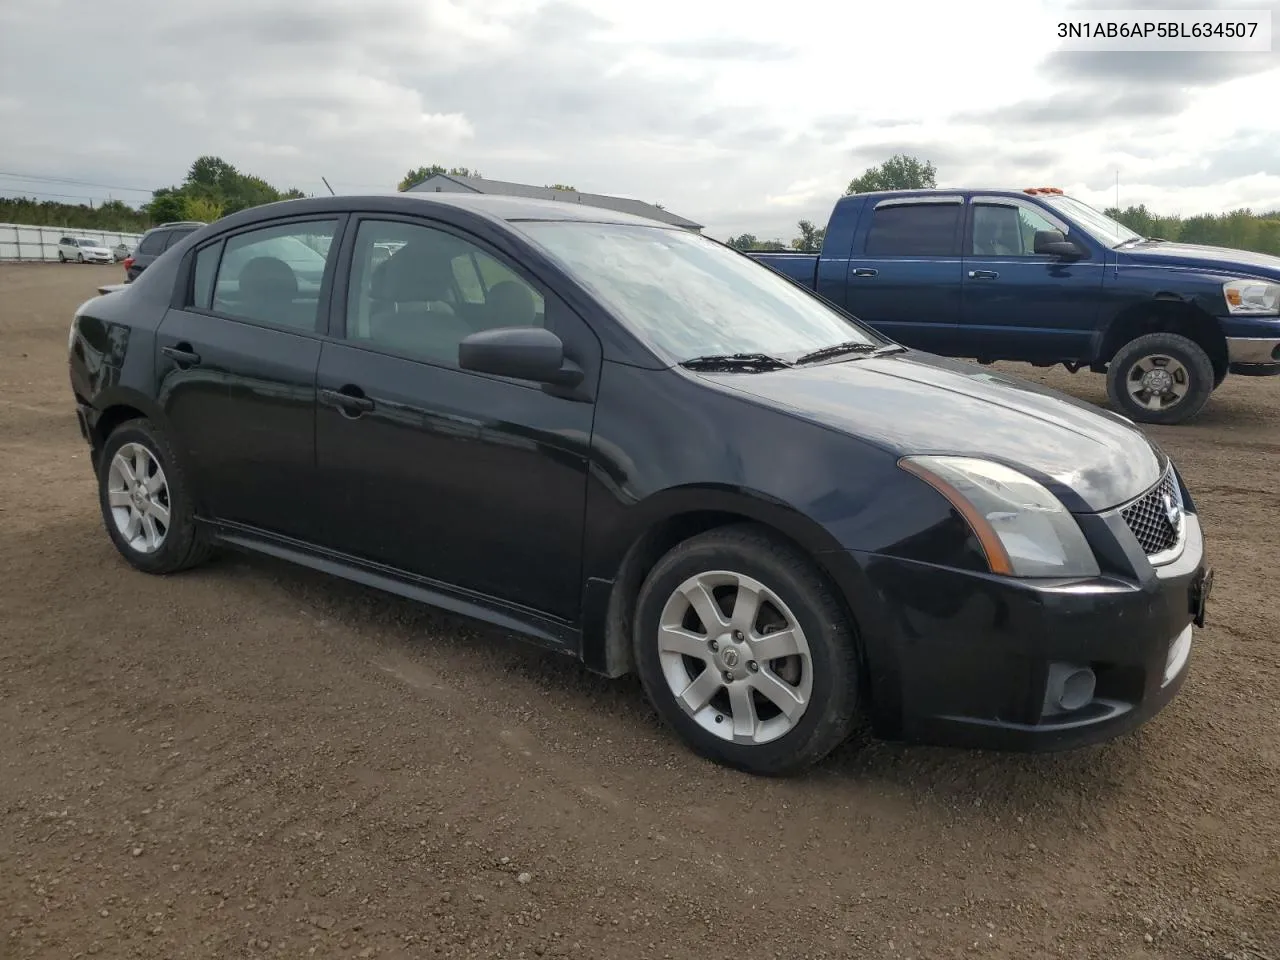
(1252, 297)
(1024, 529)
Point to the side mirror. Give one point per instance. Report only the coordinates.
(1053, 243)
(523, 353)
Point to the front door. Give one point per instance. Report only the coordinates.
(237, 366)
(1018, 304)
(472, 481)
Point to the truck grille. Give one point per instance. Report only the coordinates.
(1149, 517)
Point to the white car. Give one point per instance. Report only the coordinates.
(83, 250)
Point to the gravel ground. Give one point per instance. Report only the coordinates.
(253, 760)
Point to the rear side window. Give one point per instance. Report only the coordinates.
(272, 275)
(175, 236)
(153, 243)
(915, 230)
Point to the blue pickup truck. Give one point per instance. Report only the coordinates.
(1037, 276)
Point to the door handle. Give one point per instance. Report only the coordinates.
(983, 275)
(865, 271)
(347, 399)
(182, 354)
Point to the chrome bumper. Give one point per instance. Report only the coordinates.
(1253, 350)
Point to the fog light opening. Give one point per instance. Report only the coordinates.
(1069, 687)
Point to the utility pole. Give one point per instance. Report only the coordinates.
(1117, 188)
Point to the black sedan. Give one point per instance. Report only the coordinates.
(640, 448)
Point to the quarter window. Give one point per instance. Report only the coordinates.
(273, 275)
(420, 291)
(914, 230)
(202, 284)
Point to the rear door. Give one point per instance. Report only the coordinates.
(237, 366)
(1017, 304)
(905, 273)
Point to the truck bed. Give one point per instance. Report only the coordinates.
(801, 267)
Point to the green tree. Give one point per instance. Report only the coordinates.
(212, 184)
(810, 239)
(899, 172)
(562, 186)
(418, 174)
(202, 208)
(167, 204)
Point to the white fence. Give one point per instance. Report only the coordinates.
(21, 242)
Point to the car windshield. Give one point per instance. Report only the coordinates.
(689, 296)
(86, 242)
(1106, 229)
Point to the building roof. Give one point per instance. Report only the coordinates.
(505, 188)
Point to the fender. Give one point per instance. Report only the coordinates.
(654, 525)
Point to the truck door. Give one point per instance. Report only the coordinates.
(905, 273)
(1019, 305)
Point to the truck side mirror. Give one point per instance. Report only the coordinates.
(1053, 243)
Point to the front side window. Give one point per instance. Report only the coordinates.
(1006, 230)
(688, 296)
(273, 275)
(420, 291)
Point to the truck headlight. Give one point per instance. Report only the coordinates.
(1252, 297)
(1024, 529)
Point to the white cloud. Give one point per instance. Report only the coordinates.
(745, 116)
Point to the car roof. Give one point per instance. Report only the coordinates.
(490, 206)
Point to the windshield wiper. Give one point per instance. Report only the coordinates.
(745, 362)
(852, 346)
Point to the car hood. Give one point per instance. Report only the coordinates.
(1222, 259)
(916, 403)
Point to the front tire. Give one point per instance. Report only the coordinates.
(146, 501)
(744, 650)
(79, 258)
(1160, 378)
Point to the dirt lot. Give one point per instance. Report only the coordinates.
(251, 760)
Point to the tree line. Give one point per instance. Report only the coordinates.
(213, 188)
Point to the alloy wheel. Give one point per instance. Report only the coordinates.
(1158, 382)
(735, 657)
(138, 495)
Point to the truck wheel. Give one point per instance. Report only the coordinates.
(743, 649)
(1160, 378)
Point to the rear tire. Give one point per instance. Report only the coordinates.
(768, 687)
(79, 258)
(1162, 378)
(146, 501)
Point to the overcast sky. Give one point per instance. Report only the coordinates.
(744, 116)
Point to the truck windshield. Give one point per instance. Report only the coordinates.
(691, 297)
(1106, 229)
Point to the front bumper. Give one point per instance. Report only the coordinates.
(1254, 356)
(979, 660)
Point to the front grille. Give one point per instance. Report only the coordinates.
(1148, 516)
